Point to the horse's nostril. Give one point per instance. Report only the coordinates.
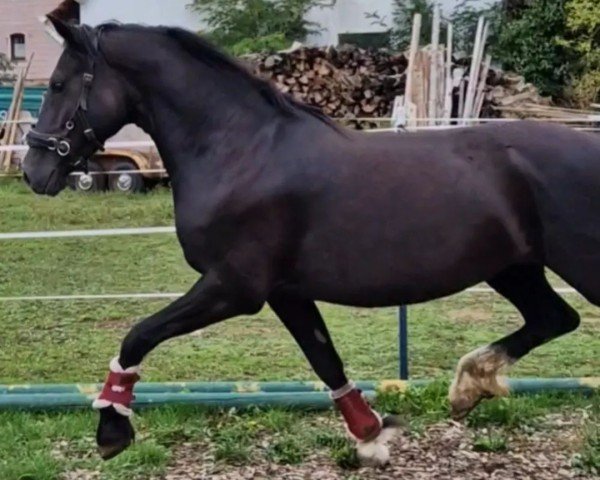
(25, 178)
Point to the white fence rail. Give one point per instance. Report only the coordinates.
(107, 232)
(175, 295)
(138, 295)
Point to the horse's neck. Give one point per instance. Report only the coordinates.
(189, 108)
(187, 126)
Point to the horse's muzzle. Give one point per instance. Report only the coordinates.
(43, 173)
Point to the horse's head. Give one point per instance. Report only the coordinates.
(86, 103)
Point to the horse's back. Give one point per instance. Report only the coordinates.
(484, 197)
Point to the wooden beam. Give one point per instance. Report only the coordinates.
(474, 71)
(14, 113)
(449, 88)
(480, 97)
(414, 47)
(434, 61)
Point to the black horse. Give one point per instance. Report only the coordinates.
(276, 204)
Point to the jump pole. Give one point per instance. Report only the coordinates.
(302, 395)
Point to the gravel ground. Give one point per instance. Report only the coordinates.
(442, 451)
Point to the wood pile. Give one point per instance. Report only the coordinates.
(345, 82)
(356, 85)
(509, 92)
(441, 91)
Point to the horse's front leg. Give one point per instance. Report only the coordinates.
(303, 320)
(213, 298)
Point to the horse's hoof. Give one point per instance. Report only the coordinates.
(373, 454)
(460, 408)
(114, 433)
(376, 452)
(110, 451)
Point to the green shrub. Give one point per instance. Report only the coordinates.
(583, 31)
(257, 25)
(268, 43)
(533, 45)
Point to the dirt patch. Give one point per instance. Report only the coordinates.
(81, 474)
(442, 451)
(471, 315)
(115, 324)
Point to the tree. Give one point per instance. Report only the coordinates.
(533, 45)
(403, 13)
(257, 25)
(464, 18)
(513, 8)
(583, 36)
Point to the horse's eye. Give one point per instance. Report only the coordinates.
(56, 86)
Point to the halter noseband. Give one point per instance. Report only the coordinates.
(60, 142)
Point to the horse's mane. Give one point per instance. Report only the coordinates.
(206, 52)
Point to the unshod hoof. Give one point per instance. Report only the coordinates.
(114, 433)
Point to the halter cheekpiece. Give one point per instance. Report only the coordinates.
(60, 142)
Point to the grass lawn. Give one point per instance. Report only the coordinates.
(73, 341)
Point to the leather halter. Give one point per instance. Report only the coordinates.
(60, 142)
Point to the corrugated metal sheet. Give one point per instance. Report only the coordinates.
(31, 102)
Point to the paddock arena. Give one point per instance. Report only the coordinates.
(69, 340)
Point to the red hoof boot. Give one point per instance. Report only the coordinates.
(362, 423)
(365, 426)
(118, 389)
(115, 432)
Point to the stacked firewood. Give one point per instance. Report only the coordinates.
(353, 83)
(426, 86)
(345, 82)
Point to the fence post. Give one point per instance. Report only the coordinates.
(403, 341)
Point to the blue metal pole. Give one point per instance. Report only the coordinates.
(403, 341)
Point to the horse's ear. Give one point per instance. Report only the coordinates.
(65, 30)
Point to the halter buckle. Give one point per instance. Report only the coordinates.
(63, 148)
(53, 143)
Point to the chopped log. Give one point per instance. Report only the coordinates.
(350, 82)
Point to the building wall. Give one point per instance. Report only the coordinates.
(149, 12)
(27, 16)
(357, 16)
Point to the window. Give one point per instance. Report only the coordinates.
(17, 46)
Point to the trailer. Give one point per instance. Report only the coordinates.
(119, 170)
(125, 171)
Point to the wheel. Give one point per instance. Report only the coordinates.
(93, 181)
(126, 182)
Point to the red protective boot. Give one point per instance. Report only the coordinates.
(364, 425)
(118, 389)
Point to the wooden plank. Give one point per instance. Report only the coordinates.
(474, 71)
(414, 47)
(449, 87)
(461, 98)
(434, 64)
(480, 97)
(9, 124)
(441, 82)
(6, 123)
(17, 100)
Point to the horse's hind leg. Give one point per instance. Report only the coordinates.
(546, 315)
(303, 320)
